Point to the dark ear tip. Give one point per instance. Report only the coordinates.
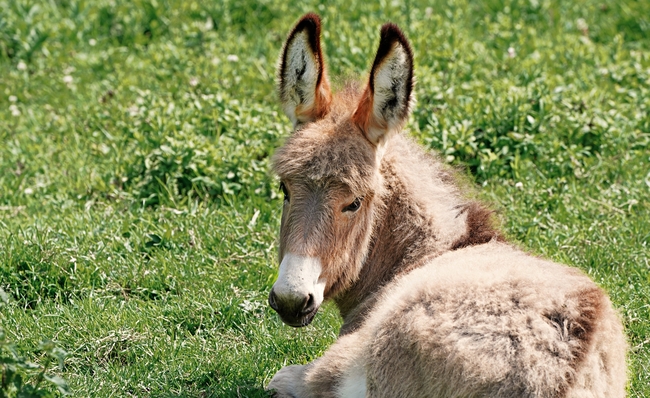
(309, 22)
(311, 16)
(391, 33)
(390, 28)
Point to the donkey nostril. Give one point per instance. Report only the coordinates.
(308, 306)
(273, 302)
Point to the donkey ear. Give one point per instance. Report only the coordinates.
(302, 80)
(386, 102)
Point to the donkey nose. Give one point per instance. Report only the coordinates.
(308, 305)
(295, 306)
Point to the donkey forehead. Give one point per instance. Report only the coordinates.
(328, 155)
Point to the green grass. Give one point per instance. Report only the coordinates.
(138, 218)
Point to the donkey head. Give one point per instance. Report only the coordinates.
(330, 166)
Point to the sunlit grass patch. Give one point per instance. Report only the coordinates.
(138, 217)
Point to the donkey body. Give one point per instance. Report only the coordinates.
(434, 302)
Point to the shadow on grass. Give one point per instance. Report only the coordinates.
(239, 392)
(238, 388)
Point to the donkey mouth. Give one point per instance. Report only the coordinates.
(298, 320)
(301, 320)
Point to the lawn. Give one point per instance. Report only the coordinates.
(138, 216)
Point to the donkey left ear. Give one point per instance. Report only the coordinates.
(302, 80)
(386, 102)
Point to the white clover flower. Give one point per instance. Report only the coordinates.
(21, 66)
(13, 98)
(194, 82)
(67, 79)
(581, 24)
(92, 42)
(232, 58)
(209, 24)
(511, 52)
(14, 110)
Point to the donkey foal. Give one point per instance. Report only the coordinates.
(434, 302)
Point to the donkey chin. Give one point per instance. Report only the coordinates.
(298, 292)
(295, 319)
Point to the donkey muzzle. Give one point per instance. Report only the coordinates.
(294, 312)
(298, 292)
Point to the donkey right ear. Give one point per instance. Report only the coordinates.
(386, 102)
(302, 80)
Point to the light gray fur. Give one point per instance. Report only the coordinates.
(435, 303)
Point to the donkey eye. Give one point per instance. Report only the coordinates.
(354, 206)
(283, 188)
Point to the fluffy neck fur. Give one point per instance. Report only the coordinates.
(420, 215)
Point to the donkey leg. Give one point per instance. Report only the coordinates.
(338, 373)
(289, 382)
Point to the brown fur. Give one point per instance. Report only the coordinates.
(434, 302)
(580, 326)
(317, 155)
(405, 235)
(361, 116)
(480, 226)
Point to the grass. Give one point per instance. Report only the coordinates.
(138, 219)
